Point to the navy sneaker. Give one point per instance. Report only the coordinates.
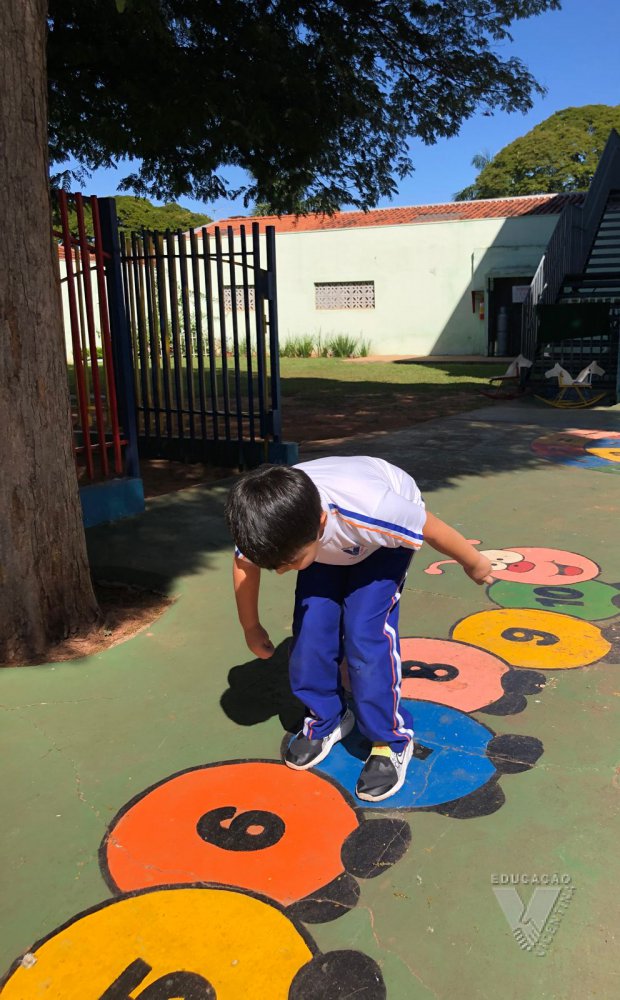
(383, 773)
(303, 753)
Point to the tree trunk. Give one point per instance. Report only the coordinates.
(45, 588)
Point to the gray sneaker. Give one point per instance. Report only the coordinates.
(383, 773)
(303, 753)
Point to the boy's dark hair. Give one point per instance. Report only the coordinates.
(272, 512)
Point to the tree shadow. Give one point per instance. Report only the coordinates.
(180, 533)
(439, 453)
(176, 536)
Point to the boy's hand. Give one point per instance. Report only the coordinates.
(258, 642)
(481, 572)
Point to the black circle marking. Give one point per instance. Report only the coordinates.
(336, 974)
(238, 835)
(551, 597)
(172, 986)
(420, 670)
(529, 634)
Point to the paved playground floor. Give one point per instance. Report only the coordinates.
(495, 871)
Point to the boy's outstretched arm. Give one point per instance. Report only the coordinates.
(246, 581)
(450, 542)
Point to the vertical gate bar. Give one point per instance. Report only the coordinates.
(155, 367)
(106, 339)
(132, 316)
(259, 318)
(615, 328)
(193, 242)
(131, 313)
(119, 332)
(92, 337)
(137, 270)
(206, 250)
(222, 308)
(79, 282)
(137, 261)
(132, 320)
(187, 330)
(233, 300)
(248, 330)
(160, 300)
(274, 340)
(78, 365)
(176, 338)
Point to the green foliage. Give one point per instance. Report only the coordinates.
(137, 213)
(297, 347)
(321, 346)
(481, 160)
(336, 346)
(318, 102)
(301, 204)
(262, 208)
(343, 346)
(560, 154)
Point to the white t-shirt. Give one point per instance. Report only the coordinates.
(370, 504)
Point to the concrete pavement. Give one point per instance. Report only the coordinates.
(496, 799)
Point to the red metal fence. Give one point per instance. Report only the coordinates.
(98, 434)
(172, 341)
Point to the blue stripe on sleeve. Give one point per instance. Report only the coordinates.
(375, 521)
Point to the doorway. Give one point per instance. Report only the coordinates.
(505, 308)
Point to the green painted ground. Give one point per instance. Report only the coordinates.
(80, 739)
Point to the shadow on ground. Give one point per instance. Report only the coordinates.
(488, 441)
(260, 689)
(179, 534)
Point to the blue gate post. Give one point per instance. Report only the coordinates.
(279, 451)
(274, 340)
(121, 337)
(615, 328)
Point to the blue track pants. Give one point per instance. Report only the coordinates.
(351, 610)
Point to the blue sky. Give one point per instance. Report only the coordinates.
(572, 52)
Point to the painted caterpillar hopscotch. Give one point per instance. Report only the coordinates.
(215, 871)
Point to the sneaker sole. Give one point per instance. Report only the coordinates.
(397, 787)
(338, 734)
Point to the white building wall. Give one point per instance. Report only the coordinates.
(164, 295)
(424, 274)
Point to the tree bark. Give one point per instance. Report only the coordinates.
(45, 587)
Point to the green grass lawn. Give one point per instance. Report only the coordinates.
(359, 376)
(425, 377)
(337, 397)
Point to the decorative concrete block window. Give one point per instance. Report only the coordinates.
(240, 299)
(344, 294)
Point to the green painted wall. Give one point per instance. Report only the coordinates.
(423, 273)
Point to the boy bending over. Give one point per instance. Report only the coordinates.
(349, 526)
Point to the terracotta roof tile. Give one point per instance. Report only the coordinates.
(62, 255)
(490, 208)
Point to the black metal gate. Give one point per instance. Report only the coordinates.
(202, 313)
